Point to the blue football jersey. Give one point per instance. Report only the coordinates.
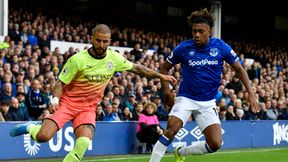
(201, 67)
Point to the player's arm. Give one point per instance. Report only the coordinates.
(169, 99)
(144, 71)
(57, 88)
(57, 92)
(244, 78)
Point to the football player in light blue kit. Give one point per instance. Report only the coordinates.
(201, 62)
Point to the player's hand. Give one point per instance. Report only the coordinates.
(53, 108)
(169, 78)
(54, 104)
(169, 99)
(254, 107)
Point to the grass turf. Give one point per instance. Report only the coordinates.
(275, 154)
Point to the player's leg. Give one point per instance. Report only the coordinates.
(173, 126)
(209, 123)
(213, 136)
(39, 133)
(84, 134)
(44, 132)
(50, 125)
(84, 128)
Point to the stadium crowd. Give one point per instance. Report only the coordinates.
(29, 68)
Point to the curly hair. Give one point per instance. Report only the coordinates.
(201, 16)
(154, 106)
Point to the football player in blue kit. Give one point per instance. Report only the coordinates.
(201, 60)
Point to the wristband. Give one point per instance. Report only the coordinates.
(55, 100)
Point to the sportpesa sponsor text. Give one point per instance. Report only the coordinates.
(203, 62)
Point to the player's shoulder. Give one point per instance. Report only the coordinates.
(112, 53)
(220, 44)
(217, 41)
(186, 43)
(80, 54)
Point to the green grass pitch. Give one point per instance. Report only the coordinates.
(274, 154)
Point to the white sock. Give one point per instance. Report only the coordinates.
(194, 149)
(158, 152)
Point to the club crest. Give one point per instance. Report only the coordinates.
(213, 52)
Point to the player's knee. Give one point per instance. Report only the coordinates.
(215, 145)
(43, 137)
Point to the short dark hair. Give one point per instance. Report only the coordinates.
(201, 16)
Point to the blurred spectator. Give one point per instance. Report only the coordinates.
(116, 92)
(99, 113)
(219, 93)
(263, 113)
(7, 78)
(36, 100)
(254, 71)
(7, 93)
(126, 114)
(32, 38)
(136, 52)
(4, 108)
(116, 108)
(235, 84)
(248, 114)
(149, 129)
(230, 114)
(272, 112)
(137, 111)
(222, 113)
(109, 114)
(17, 113)
(131, 102)
(161, 111)
(239, 114)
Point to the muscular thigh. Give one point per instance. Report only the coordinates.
(62, 115)
(84, 124)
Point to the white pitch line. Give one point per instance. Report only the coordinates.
(148, 156)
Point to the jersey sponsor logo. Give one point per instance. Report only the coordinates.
(98, 78)
(109, 65)
(213, 52)
(203, 62)
(233, 53)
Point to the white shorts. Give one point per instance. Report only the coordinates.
(204, 112)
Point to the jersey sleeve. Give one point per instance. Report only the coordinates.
(69, 71)
(175, 56)
(122, 63)
(229, 55)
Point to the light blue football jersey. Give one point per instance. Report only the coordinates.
(201, 67)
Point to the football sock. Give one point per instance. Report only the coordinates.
(195, 149)
(33, 130)
(82, 143)
(159, 149)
